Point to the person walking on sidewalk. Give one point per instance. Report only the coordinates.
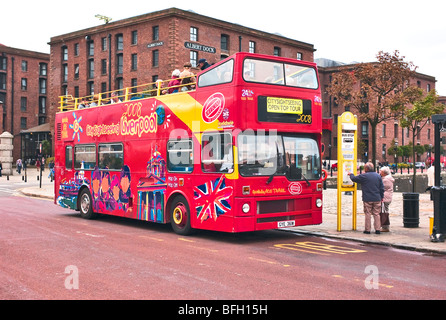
(388, 181)
(372, 196)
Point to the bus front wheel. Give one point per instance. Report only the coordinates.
(180, 216)
(86, 205)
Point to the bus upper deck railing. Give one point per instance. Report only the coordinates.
(154, 89)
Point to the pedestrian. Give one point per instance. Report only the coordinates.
(1, 168)
(388, 181)
(372, 195)
(203, 64)
(430, 175)
(19, 165)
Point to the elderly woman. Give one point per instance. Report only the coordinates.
(388, 181)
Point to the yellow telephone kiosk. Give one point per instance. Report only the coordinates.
(347, 161)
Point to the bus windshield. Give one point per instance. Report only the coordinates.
(270, 72)
(295, 156)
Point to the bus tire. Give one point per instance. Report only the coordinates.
(86, 205)
(180, 216)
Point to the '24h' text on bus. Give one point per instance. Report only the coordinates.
(238, 150)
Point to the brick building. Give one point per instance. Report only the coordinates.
(23, 96)
(387, 133)
(148, 47)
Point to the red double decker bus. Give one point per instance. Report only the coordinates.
(237, 150)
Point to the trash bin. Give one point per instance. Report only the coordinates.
(411, 210)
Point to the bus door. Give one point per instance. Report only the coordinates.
(213, 191)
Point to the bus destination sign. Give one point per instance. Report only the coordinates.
(273, 109)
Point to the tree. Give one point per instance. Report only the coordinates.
(416, 118)
(375, 90)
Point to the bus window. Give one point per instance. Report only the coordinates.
(219, 75)
(85, 155)
(302, 158)
(270, 72)
(258, 154)
(261, 155)
(300, 76)
(216, 153)
(111, 156)
(180, 156)
(69, 157)
(263, 71)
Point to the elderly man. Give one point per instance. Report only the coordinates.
(372, 195)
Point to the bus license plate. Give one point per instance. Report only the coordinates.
(285, 224)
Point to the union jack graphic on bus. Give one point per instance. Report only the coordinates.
(212, 199)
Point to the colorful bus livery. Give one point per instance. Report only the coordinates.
(240, 152)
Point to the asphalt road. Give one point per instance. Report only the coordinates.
(47, 252)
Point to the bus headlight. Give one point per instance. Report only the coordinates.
(319, 203)
(246, 208)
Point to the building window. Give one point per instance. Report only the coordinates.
(193, 34)
(299, 56)
(384, 130)
(91, 48)
(91, 68)
(24, 65)
(64, 53)
(364, 129)
(120, 63)
(277, 51)
(76, 92)
(90, 88)
(24, 84)
(134, 85)
(194, 58)
(155, 33)
(76, 49)
(42, 86)
(23, 103)
(64, 73)
(134, 37)
(428, 87)
(3, 63)
(134, 62)
(395, 131)
(155, 58)
(252, 47)
(43, 69)
(2, 81)
(119, 85)
(119, 42)
(42, 105)
(104, 43)
(23, 123)
(103, 86)
(225, 42)
(76, 71)
(104, 66)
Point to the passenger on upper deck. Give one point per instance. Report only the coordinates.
(188, 78)
(84, 104)
(114, 98)
(175, 82)
(203, 64)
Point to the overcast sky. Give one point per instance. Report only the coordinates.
(342, 30)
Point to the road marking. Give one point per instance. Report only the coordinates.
(318, 248)
(268, 261)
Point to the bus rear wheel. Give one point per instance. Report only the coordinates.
(180, 216)
(86, 205)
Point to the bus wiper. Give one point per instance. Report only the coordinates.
(308, 182)
(270, 179)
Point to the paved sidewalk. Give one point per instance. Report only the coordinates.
(399, 237)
